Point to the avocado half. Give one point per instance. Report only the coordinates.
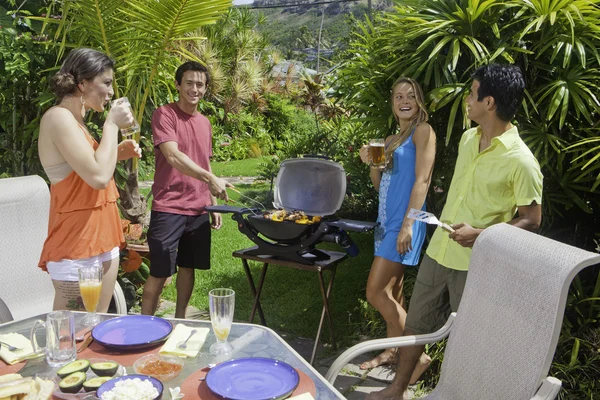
(105, 368)
(72, 383)
(75, 366)
(95, 383)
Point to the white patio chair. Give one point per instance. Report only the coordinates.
(26, 289)
(5, 314)
(504, 334)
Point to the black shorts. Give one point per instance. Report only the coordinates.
(178, 240)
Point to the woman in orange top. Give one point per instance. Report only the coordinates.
(84, 227)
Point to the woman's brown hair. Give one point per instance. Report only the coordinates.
(81, 64)
(420, 117)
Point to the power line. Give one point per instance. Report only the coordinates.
(303, 4)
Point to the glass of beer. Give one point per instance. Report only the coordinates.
(377, 153)
(126, 132)
(90, 287)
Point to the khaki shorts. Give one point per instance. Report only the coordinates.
(437, 293)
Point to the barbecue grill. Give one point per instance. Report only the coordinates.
(315, 186)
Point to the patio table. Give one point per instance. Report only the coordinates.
(248, 340)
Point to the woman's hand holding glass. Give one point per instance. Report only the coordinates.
(365, 157)
(121, 116)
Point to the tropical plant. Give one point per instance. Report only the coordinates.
(24, 92)
(144, 37)
(441, 42)
(238, 58)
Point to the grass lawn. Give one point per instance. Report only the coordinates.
(247, 167)
(291, 299)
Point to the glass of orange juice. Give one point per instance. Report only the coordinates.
(90, 287)
(221, 304)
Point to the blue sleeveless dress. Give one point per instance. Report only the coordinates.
(394, 194)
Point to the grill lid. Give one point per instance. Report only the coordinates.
(313, 185)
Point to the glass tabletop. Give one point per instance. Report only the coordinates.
(248, 340)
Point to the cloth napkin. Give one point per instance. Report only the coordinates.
(180, 334)
(20, 342)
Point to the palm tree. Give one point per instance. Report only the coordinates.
(144, 37)
(238, 57)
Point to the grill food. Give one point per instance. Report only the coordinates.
(296, 216)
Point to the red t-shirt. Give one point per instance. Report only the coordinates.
(173, 191)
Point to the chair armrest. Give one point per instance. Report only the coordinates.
(548, 390)
(380, 344)
(119, 298)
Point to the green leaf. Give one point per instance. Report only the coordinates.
(452, 117)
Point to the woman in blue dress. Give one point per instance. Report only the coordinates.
(402, 184)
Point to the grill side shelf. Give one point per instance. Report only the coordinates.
(224, 209)
(352, 225)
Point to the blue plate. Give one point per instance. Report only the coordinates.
(132, 332)
(252, 379)
(106, 386)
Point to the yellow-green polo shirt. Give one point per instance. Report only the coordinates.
(485, 190)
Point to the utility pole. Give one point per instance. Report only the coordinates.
(319, 42)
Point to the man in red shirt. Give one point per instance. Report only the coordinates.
(180, 228)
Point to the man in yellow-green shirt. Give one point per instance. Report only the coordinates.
(496, 177)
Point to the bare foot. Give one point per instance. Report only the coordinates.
(389, 393)
(421, 366)
(387, 357)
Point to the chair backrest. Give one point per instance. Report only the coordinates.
(24, 208)
(509, 320)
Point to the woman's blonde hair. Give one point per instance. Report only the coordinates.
(420, 117)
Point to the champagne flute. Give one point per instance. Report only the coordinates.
(221, 306)
(90, 287)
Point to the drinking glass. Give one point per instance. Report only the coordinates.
(60, 338)
(127, 132)
(377, 153)
(221, 306)
(90, 287)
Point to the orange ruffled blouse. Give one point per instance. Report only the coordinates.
(84, 221)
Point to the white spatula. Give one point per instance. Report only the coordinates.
(428, 218)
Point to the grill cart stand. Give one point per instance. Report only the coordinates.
(319, 266)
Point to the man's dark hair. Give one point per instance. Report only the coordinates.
(191, 66)
(505, 83)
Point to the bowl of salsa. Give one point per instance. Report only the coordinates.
(159, 366)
